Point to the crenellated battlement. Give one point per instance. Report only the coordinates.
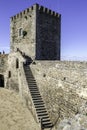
(39, 8)
(22, 13)
(48, 11)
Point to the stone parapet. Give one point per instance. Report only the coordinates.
(39, 8)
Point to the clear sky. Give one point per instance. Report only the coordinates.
(73, 24)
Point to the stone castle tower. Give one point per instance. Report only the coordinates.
(51, 90)
(36, 31)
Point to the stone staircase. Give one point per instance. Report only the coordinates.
(41, 111)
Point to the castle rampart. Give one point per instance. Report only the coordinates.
(62, 85)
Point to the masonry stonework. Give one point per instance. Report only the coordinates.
(47, 34)
(3, 67)
(41, 33)
(25, 21)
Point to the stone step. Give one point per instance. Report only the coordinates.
(38, 103)
(29, 73)
(28, 76)
(48, 125)
(42, 114)
(46, 120)
(31, 79)
(39, 99)
(33, 88)
(36, 99)
(41, 111)
(38, 108)
(27, 68)
(43, 117)
(31, 83)
(35, 91)
(35, 94)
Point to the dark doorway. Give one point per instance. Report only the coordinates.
(1, 80)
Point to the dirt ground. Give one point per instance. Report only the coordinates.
(13, 114)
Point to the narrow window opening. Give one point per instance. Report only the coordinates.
(17, 63)
(9, 74)
(20, 32)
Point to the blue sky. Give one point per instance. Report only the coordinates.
(73, 24)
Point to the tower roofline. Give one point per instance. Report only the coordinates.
(38, 7)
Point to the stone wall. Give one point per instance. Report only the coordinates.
(4, 66)
(48, 24)
(25, 20)
(63, 86)
(3, 62)
(13, 68)
(17, 80)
